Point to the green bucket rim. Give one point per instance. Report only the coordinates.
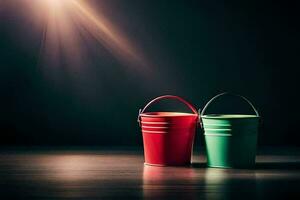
(229, 116)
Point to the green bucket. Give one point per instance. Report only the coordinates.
(230, 138)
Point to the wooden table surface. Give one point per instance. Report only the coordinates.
(120, 174)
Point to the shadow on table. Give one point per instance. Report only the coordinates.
(278, 165)
(199, 165)
(262, 165)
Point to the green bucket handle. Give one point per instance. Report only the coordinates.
(141, 111)
(222, 94)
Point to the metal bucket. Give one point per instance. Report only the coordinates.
(168, 136)
(230, 138)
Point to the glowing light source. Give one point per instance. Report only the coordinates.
(76, 37)
(54, 3)
(68, 22)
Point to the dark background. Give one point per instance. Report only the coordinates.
(196, 49)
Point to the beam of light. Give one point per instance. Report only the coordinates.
(77, 38)
(69, 22)
(106, 34)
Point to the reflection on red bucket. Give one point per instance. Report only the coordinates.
(168, 136)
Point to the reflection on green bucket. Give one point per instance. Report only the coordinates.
(230, 139)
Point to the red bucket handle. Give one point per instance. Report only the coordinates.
(141, 111)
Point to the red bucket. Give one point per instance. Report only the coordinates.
(168, 137)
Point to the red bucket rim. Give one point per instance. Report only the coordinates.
(155, 132)
(168, 114)
(155, 123)
(165, 127)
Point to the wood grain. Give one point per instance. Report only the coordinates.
(103, 174)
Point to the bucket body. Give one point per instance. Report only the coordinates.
(168, 136)
(230, 140)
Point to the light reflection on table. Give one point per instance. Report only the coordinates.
(118, 174)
